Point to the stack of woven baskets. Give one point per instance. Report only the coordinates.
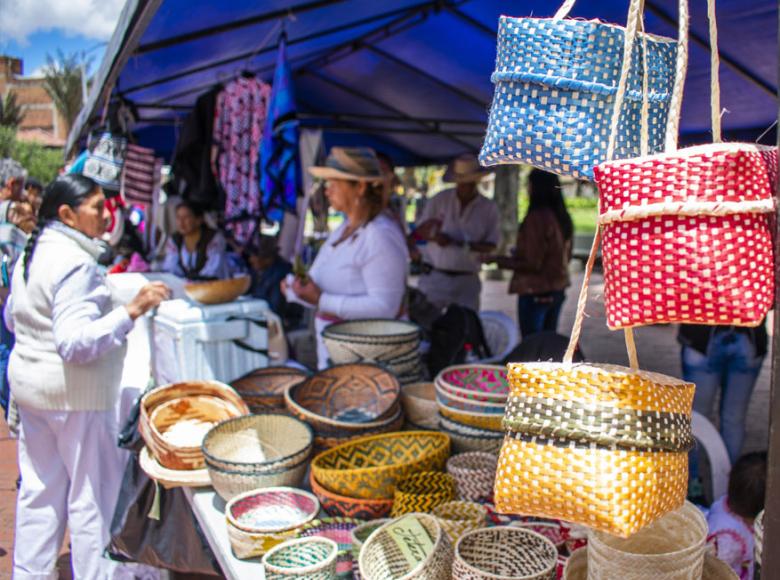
(472, 400)
(174, 419)
(358, 479)
(347, 401)
(263, 389)
(394, 344)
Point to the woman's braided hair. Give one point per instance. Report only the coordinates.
(71, 190)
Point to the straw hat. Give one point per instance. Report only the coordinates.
(465, 169)
(351, 163)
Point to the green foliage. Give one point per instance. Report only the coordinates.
(63, 83)
(40, 162)
(11, 113)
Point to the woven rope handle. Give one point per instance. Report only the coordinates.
(714, 73)
(582, 301)
(681, 68)
(564, 10)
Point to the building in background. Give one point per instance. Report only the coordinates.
(42, 122)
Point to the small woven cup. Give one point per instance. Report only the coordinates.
(460, 517)
(360, 535)
(311, 558)
(474, 474)
(422, 492)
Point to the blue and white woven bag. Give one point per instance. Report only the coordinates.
(556, 85)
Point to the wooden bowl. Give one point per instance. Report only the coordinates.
(218, 291)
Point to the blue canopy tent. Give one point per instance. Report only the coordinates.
(410, 77)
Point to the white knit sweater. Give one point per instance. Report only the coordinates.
(69, 347)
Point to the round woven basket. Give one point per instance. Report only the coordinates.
(758, 544)
(714, 569)
(552, 530)
(349, 397)
(577, 565)
(218, 291)
(328, 438)
(382, 559)
(263, 389)
(485, 421)
(170, 478)
(419, 403)
(369, 468)
(340, 531)
(475, 382)
(310, 558)
(421, 492)
(670, 548)
(361, 533)
(336, 505)
(228, 484)
(175, 457)
(459, 403)
(474, 474)
(504, 553)
(460, 517)
(371, 331)
(466, 439)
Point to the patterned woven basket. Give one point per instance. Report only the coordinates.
(474, 474)
(485, 421)
(350, 397)
(600, 445)
(258, 520)
(466, 439)
(552, 530)
(360, 534)
(421, 492)
(460, 517)
(457, 403)
(340, 531)
(263, 389)
(381, 558)
(758, 545)
(475, 382)
(336, 505)
(560, 82)
(209, 401)
(228, 484)
(419, 403)
(369, 468)
(504, 553)
(309, 558)
(671, 548)
(328, 438)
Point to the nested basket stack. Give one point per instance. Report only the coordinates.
(263, 389)
(504, 553)
(394, 344)
(382, 559)
(257, 451)
(346, 402)
(422, 492)
(195, 403)
(310, 558)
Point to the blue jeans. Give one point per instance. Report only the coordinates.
(6, 344)
(731, 367)
(538, 312)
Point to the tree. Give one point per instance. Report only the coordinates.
(63, 83)
(11, 113)
(41, 162)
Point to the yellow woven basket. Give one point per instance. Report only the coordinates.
(370, 467)
(487, 421)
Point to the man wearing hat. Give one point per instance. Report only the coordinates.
(459, 224)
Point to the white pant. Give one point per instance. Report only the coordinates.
(71, 473)
(441, 289)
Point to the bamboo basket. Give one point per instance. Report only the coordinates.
(460, 517)
(303, 558)
(474, 474)
(504, 553)
(422, 492)
(361, 533)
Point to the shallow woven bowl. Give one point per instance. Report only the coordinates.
(475, 382)
(457, 403)
(485, 421)
(466, 439)
(340, 531)
(329, 438)
(228, 484)
(218, 291)
(170, 456)
(342, 506)
(372, 331)
(349, 397)
(504, 553)
(380, 558)
(422, 492)
(419, 402)
(257, 443)
(310, 558)
(263, 389)
(370, 467)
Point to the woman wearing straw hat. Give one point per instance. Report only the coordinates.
(360, 272)
(459, 224)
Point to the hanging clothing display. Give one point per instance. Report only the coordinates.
(240, 116)
(140, 175)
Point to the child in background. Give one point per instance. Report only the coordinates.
(731, 518)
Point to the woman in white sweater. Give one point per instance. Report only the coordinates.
(360, 272)
(64, 371)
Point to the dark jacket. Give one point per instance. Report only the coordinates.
(266, 285)
(697, 336)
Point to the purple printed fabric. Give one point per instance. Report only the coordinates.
(240, 116)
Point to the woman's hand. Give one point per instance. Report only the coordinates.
(308, 291)
(148, 297)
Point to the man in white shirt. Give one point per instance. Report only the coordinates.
(459, 224)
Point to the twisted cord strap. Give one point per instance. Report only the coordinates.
(687, 209)
(714, 73)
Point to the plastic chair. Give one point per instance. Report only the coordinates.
(501, 334)
(720, 465)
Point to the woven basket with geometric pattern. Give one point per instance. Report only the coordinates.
(460, 517)
(310, 558)
(474, 473)
(504, 553)
(421, 492)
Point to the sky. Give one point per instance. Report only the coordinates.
(31, 29)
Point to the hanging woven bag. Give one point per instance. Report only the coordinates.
(687, 233)
(557, 82)
(600, 445)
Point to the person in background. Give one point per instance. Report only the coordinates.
(33, 190)
(65, 371)
(723, 360)
(540, 259)
(195, 251)
(395, 205)
(13, 189)
(459, 225)
(267, 269)
(731, 518)
(360, 271)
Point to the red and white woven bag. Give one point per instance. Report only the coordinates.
(687, 234)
